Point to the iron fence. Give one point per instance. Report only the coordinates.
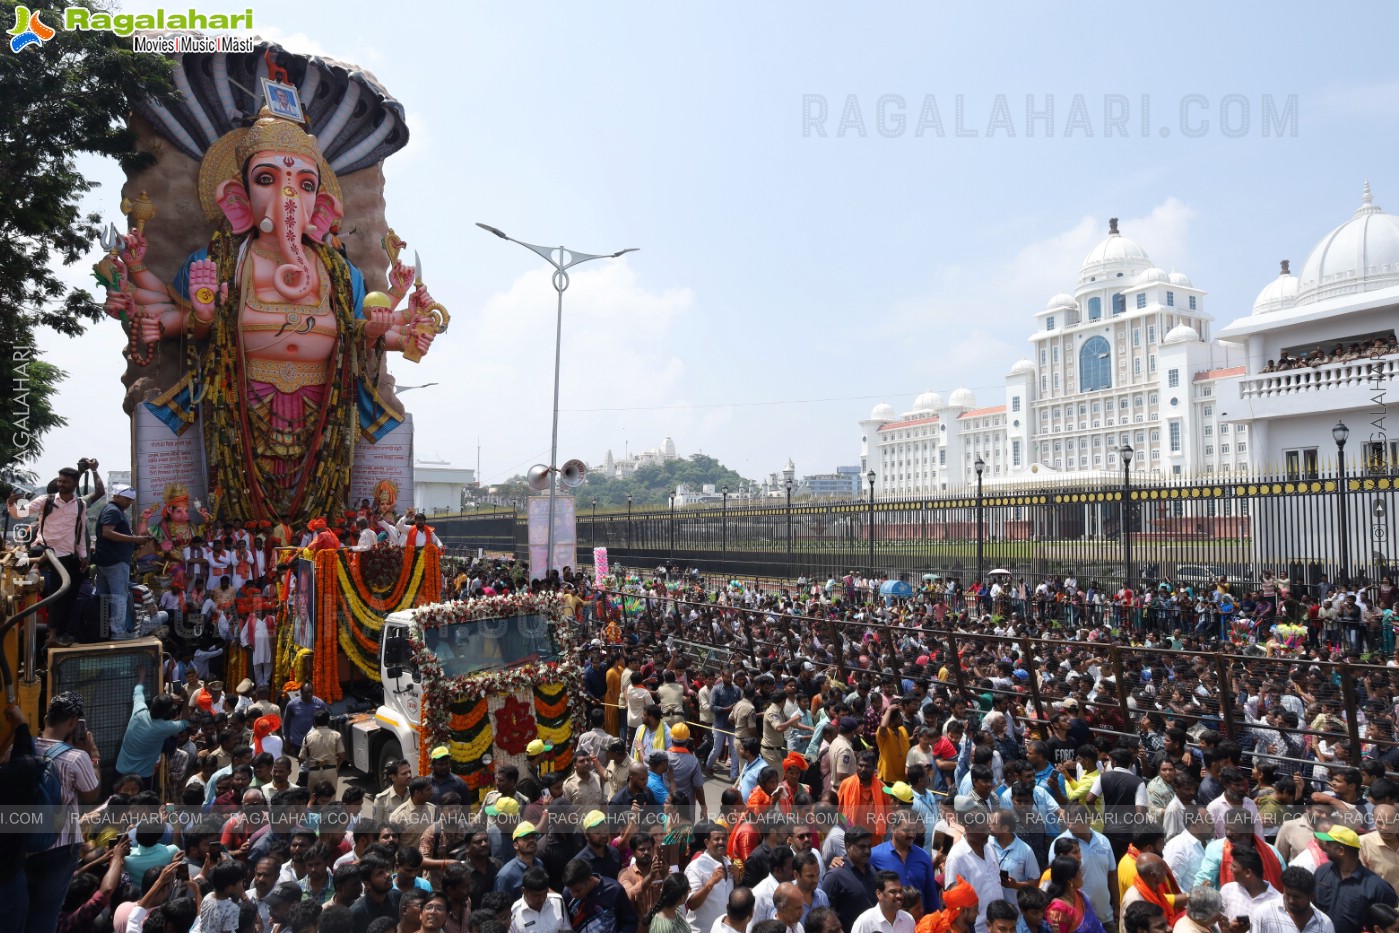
(1183, 530)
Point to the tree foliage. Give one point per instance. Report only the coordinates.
(648, 486)
(70, 96)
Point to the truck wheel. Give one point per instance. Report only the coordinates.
(388, 751)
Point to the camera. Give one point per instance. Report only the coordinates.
(85, 464)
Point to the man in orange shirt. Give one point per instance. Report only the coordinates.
(862, 797)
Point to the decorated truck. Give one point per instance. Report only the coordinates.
(484, 678)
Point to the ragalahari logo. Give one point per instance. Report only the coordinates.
(28, 30)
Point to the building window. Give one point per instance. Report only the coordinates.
(1209, 411)
(1209, 450)
(1224, 448)
(1044, 383)
(1175, 437)
(1192, 302)
(1049, 323)
(1015, 453)
(1173, 378)
(1056, 354)
(1119, 303)
(1301, 463)
(1136, 336)
(1209, 430)
(1141, 299)
(942, 457)
(1151, 333)
(1137, 366)
(1095, 309)
(1152, 363)
(1122, 404)
(1094, 365)
(1241, 447)
(1056, 382)
(1170, 299)
(1206, 391)
(1015, 403)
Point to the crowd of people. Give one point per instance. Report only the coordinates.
(1340, 353)
(791, 759)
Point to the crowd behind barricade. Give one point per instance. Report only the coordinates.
(806, 758)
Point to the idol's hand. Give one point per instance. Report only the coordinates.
(119, 304)
(400, 279)
(205, 290)
(133, 248)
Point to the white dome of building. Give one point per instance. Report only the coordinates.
(1181, 333)
(1179, 278)
(1279, 294)
(1151, 275)
(1023, 367)
(882, 412)
(928, 401)
(1360, 255)
(1116, 256)
(1060, 300)
(962, 398)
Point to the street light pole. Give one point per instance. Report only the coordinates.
(562, 260)
(789, 475)
(870, 477)
(1340, 433)
(1127, 515)
(628, 521)
(672, 526)
(593, 535)
(980, 467)
(724, 532)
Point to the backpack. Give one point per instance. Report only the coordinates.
(48, 794)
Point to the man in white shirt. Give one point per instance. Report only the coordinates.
(367, 537)
(711, 878)
(1186, 850)
(1235, 784)
(1249, 891)
(739, 915)
(538, 910)
(973, 858)
(885, 916)
(1295, 913)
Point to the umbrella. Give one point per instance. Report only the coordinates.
(897, 588)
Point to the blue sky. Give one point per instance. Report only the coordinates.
(778, 266)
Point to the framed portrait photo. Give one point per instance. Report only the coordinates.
(282, 100)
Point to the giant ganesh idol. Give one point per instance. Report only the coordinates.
(268, 338)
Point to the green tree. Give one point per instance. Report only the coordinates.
(649, 486)
(72, 95)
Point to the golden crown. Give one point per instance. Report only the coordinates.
(273, 134)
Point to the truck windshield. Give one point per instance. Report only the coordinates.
(491, 644)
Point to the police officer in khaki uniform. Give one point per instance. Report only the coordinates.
(322, 751)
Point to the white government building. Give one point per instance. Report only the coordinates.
(1132, 357)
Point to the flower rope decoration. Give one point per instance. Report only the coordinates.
(447, 699)
(515, 727)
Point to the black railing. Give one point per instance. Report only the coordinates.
(1186, 531)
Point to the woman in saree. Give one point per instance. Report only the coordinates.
(1069, 911)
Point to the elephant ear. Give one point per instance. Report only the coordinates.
(232, 199)
(325, 215)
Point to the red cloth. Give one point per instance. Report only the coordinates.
(1272, 869)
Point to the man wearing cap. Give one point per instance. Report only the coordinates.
(534, 757)
(1345, 888)
(442, 778)
(510, 879)
(686, 774)
(116, 546)
(842, 752)
(598, 850)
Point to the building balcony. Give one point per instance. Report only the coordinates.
(1325, 388)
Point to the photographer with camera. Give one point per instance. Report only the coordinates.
(116, 547)
(99, 489)
(62, 526)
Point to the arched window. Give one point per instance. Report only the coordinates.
(1095, 308)
(1094, 366)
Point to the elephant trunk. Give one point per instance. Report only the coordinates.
(293, 278)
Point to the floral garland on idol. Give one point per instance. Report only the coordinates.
(350, 610)
(536, 697)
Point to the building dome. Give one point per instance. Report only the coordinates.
(1023, 367)
(1360, 255)
(882, 412)
(1151, 275)
(1113, 256)
(1279, 294)
(1061, 300)
(928, 401)
(1179, 278)
(962, 398)
(1181, 333)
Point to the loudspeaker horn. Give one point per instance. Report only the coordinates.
(573, 473)
(538, 477)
